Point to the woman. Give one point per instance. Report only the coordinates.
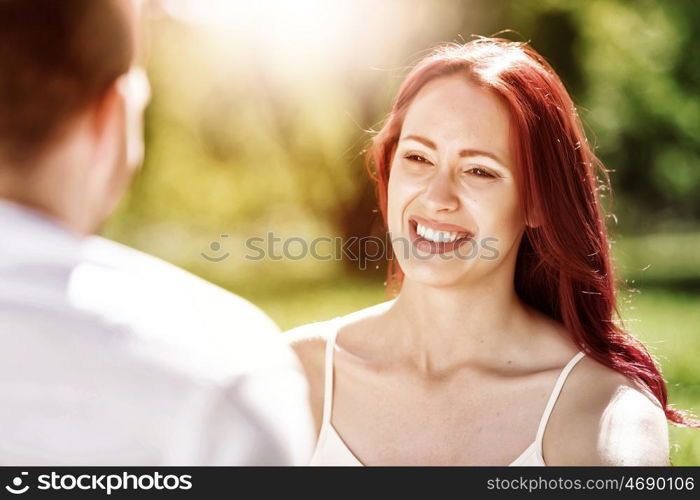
(506, 304)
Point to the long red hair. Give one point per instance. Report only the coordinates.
(564, 266)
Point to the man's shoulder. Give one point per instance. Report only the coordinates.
(170, 308)
(167, 277)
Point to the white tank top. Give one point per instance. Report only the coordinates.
(332, 450)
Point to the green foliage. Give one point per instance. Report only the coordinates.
(633, 69)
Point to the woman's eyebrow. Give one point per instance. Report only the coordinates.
(419, 138)
(465, 153)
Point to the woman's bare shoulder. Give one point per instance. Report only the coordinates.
(605, 418)
(309, 341)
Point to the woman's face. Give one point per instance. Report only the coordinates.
(453, 207)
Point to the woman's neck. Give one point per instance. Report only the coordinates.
(435, 328)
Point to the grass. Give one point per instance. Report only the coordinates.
(316, 301)
(669, 323)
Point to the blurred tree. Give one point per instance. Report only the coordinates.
(633, 69)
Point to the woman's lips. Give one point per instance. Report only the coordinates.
(441, 226)
(434, 247)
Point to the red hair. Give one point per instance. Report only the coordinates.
(563, 266)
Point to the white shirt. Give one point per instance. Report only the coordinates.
(109, 356)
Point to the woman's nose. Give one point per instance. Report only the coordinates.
(440, 194)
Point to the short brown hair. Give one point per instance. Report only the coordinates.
(56, 57)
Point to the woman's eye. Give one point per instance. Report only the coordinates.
(416, 158)
(480, 172)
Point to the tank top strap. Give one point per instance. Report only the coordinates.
(554, 396)
(328, 370)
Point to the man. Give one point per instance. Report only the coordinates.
(109, 356)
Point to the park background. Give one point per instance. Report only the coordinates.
(261, 110)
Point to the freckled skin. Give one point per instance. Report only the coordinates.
(437, 183)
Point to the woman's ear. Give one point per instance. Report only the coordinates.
(533, 219)
(530, 224)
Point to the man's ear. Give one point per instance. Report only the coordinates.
(108, 109)
(106, 175)
(108, 129)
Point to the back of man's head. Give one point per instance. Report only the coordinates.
(56, 58)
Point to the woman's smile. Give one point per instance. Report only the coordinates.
(435, 237)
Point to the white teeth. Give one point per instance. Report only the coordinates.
(435, 235)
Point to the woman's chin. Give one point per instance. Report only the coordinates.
(438, 274)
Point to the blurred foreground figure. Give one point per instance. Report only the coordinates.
(108, 355)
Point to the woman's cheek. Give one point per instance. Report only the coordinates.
(394, 206)
(508, 224)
